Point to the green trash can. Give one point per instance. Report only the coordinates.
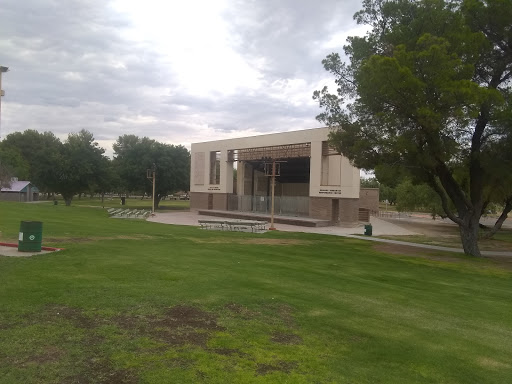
(368, 229)
(55, 202)
(31, 236)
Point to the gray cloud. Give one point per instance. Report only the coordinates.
(73, 66)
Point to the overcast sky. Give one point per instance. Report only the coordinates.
(176, 71)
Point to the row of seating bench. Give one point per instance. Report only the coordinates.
(120, 213)
(234, 225)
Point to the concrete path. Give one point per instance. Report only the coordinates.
(380, 228)
(13, 252)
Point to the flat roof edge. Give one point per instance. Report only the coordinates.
(262, 135)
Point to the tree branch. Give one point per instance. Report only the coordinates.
(444, 201)
(501, 219)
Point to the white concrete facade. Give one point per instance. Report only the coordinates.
(331, 176)
(343, 180)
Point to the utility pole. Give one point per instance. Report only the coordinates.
(276, 171)
(2, 93)
(272, 228)
(151, 174)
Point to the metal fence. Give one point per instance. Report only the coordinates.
(390, 214)
(283, 205)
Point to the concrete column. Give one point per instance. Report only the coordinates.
(315, 170)
(226, 173)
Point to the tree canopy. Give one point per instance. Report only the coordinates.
(134, 155)
(81, 165)
(427, 92)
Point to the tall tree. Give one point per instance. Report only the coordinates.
(12, 164)
(134, 155)
(81, 165)
(429, 90)
(39, 152)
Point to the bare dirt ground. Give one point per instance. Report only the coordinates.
(427, 227)
(443, 233)
(504, 262)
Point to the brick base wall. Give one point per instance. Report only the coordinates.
(369, 199)
(220, 201)
(320, 208)
(198, 200)
(349, 212)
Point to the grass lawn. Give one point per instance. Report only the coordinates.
(131, 203)
(129, 301)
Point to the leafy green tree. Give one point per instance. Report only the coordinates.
(80, 165)
(39, 152)
(370, 182)
(428, 91)
(12, 164)
(133, 156)
(387, 193)
(418, 197)
(106, 180)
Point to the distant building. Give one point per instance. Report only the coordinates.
(21, 191)
(314, 180)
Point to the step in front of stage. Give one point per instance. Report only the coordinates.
(290, 220)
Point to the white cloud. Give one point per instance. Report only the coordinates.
(175, 71)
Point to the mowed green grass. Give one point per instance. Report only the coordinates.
(130, 203)
(131, 301)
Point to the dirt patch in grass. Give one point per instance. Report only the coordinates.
(278, 366)
(49, 354)
(282, 313)
(74, 315)
(501, 262)
(286, 338)
(227, 351)
(97, 238)
(102, 372)
(178, 326)
(239, 309)
(184, 316)
(179, 362)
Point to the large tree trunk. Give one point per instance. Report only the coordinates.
(67, 198)
(157, 201)
(469, 237)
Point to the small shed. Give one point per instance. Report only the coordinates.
(21, 191)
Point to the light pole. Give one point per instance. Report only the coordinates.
(150, 174)
(273, 172)
(2, 70)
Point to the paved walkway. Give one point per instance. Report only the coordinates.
(380, 228)
(13, 252)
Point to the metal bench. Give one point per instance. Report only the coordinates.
(234, 225)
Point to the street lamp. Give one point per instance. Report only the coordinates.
(2, 70)
(151, 175)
